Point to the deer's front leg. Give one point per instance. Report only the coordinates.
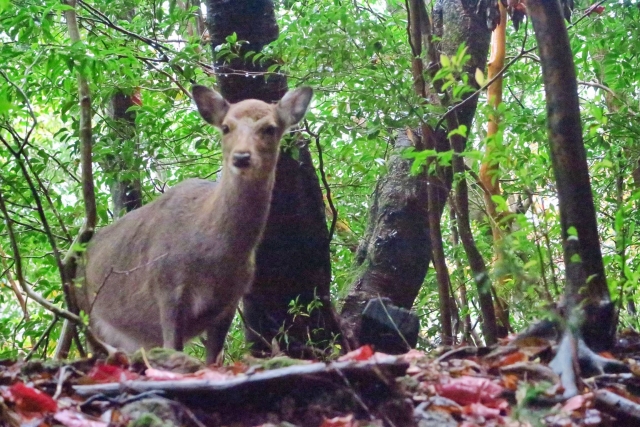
(171, 321)
(216, 334)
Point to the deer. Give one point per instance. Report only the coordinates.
(178, 266)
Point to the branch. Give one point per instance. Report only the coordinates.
(26, 100)
(14, 285)
(19, 271)
(88, 191)
(327, 188)
(522, 54)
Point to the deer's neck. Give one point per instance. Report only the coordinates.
(239, 211)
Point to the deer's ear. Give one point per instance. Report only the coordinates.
(293, 105)
(211, 105)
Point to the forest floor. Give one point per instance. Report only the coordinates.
(506, 385)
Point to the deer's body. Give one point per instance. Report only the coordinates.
(178, 266)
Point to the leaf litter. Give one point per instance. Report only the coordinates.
(506, 385)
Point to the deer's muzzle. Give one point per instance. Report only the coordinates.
(241, 160)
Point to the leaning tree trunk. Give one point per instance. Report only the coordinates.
(293, 260)
(395, 254)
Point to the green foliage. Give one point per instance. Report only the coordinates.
(356, 57)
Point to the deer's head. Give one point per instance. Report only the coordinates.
(251, 129)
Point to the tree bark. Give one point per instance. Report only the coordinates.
(293, 260)
(391, 267)
(586, 293)
(419, 35)
(457, 22)
(394, 255)
(490, 167)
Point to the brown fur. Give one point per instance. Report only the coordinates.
(178, 266)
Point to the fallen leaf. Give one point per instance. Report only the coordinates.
(467, 390)
(110, 374)
(29, 401)
(512, 358)
(413, 355)
(363, 353)
(595, 8)
(581, 401)
(212, 375)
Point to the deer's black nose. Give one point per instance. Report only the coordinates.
(242, 159)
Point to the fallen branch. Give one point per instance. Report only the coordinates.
(626, 411)
(261, 383)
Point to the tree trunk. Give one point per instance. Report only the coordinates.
(586, 293)
(293, 260)
(126, 191)
(394, 255)
(457, 22)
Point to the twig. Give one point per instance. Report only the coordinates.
(253, 331)
(483, 87)
(124, 272)
(43, 337)
(31, 113)
(355, 395)
(256, 381)
(14, 285)
(323, 176)
(384, 307)
(19, 272)
(45, 191)
(62, 377)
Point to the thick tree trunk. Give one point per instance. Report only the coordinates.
(394, 255)
(293, 261)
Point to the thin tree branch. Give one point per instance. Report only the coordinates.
(31, 113)
(327, 188)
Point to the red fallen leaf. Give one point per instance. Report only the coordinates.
(512, 358)
(340, 422)
(363, 353)
(467, 390)
(481, 410)
(30, 400)
(110, 374)
(594, 8)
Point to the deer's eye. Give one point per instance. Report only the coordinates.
(225, 129)
(269, 130)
